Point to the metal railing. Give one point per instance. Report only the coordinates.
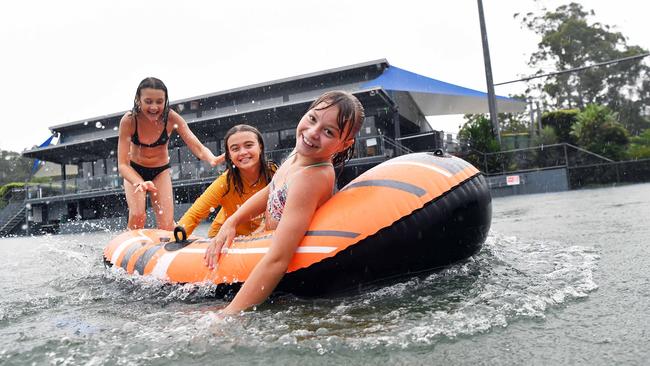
(533, 158)
(377, 146)
(584, 168)
(12, 213)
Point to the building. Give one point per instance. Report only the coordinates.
(396, 102)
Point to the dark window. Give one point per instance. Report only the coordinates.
(271, 140)
(287, 138)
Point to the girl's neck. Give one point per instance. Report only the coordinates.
(250, 177)
(300, 160)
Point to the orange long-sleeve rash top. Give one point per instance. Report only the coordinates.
(217, 195)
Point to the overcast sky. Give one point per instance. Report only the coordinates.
(65, 61)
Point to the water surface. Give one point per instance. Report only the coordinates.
(562, 279)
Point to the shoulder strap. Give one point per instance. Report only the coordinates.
(324, 163)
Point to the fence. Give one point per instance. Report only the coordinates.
(368, 147)
(583, 168)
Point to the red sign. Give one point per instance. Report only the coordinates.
(512, 180)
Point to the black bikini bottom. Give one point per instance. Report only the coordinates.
(148, 173)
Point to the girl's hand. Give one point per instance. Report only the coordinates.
(146, 186)
(224, 238)
(217, 160)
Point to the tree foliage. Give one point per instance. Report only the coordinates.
(13, 167)
(570, 40)
(639, 147)
(513, 123)
(547, 136)
(476, 138)
(477, 134)
(597, 130)
(561, 121)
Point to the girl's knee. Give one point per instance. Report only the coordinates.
(137, 219)
(167, 225)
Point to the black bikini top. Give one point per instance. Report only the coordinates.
(164, 137)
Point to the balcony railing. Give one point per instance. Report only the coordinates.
(377, 146)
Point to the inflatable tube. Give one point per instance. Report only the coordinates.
(411, 214)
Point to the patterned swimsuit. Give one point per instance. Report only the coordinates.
(278, 197)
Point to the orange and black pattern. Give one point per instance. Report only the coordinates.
(411, 214)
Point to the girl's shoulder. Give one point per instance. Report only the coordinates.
(314, 175)
(223, 177)
(220, 184)
(128, 116)
(174, 117)
(127, 121)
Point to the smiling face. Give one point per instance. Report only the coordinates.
(244, 150)
(152, 103)
(318, 136)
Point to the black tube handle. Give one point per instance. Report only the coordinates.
(180, 229)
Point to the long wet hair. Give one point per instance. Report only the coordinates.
(152, 83)
(267, 168)
(350, 116)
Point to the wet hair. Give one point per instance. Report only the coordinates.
(350, 116)
(151, 83)
(267, 169)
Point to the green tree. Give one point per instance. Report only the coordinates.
(476, 138)
(13, 167)
(640, 146)
(570, 40)
(547, 136)
(597, 130)
(512, 123)
(477, 134)
(561, 122)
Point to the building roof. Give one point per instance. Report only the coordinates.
(435, 97)
(376, 65)
(373, 82)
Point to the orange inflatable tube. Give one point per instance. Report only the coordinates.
(411, 214)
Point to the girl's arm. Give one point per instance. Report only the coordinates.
(306, 193)
(252, 208)
(210, 199)
(123, 162)
(192, 142)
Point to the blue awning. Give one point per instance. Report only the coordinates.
(435, 97)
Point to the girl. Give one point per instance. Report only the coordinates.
(246, 173)
(324, 139)
(142, 156)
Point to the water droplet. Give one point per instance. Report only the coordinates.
(115, 128)
(28, 206)
(98, 124)
(175, 125)
(86, 123)
(211, 209)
